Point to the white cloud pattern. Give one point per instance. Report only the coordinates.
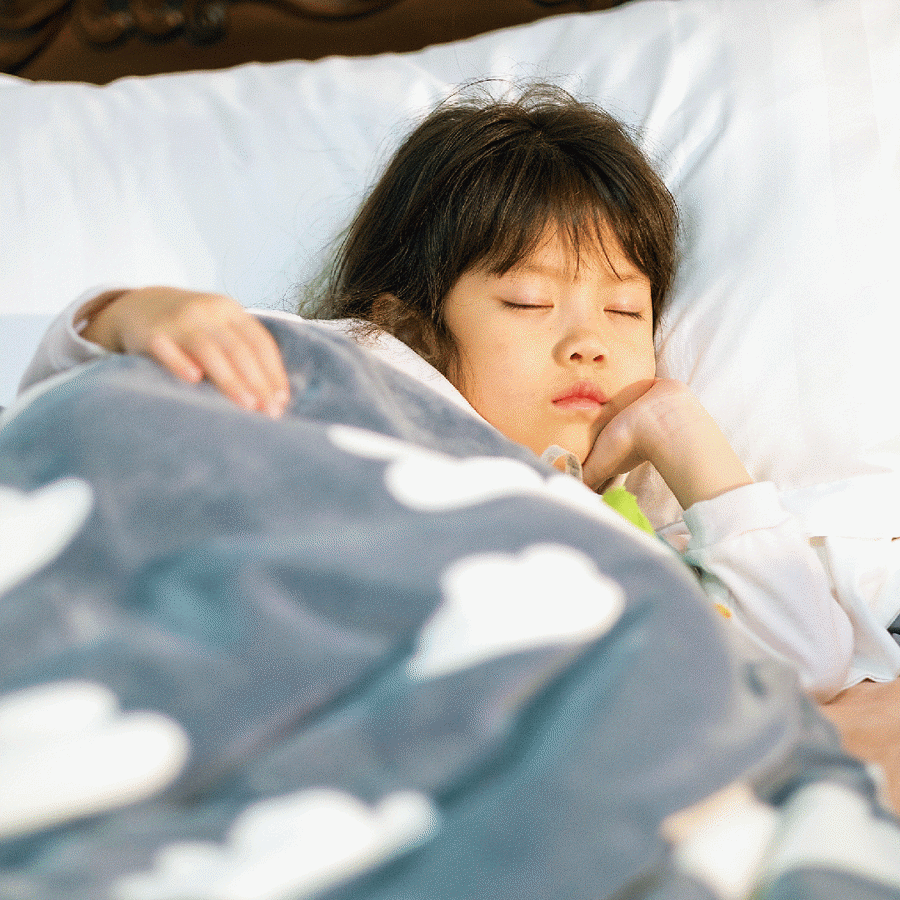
(496, 604)
(435, 482)
(67, 751)
(288, 848)
(35, 527)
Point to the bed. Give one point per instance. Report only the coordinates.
(232, 663)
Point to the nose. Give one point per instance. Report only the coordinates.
(582, 341)
(585, 348)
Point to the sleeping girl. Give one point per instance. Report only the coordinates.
(524, 250)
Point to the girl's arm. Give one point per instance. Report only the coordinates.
(194, 335)
(759, 568)
(61, 347)
(753, 556)
(667, 426)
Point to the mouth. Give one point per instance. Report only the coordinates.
(581, 396)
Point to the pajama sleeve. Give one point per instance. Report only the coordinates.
(62, 347)
(759, 569)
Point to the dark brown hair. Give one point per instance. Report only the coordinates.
(476, 185)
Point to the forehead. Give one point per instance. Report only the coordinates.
(560, 255)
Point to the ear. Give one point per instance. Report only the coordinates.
(409, 325)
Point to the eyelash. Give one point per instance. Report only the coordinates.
(510, 305)
(631, 314)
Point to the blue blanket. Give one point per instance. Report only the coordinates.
(409, 660)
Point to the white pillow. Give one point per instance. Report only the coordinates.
(777, 124)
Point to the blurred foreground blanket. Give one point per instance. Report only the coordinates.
(374, 650)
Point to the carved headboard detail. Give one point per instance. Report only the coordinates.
(99, 40)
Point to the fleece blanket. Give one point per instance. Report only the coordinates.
(374, 650)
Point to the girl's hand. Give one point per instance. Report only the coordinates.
(660, 421)
(196, 335)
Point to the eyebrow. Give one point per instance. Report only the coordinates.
(559, 274)
(536, 269)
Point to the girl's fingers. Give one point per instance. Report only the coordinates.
(613, 453)
(164, 349)
(220, 371)
(233, 366)
(249, 355)
(267, 356)
(196, 335)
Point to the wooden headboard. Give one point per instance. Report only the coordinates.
(100, 40)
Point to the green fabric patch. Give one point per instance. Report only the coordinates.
(626, 505)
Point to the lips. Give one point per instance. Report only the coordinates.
(582, 395)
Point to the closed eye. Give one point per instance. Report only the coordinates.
(508, 304)
(630, 313)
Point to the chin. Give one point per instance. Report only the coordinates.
(581, 448)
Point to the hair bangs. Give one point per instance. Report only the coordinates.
(538, 194)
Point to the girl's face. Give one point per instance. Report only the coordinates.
(549, 352)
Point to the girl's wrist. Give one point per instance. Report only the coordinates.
(96, 323)
(700, 471)
(693, 456)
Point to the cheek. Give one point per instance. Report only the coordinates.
(493, 370)
(643, 360)
(488, 387)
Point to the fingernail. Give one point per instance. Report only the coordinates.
(277, 405)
